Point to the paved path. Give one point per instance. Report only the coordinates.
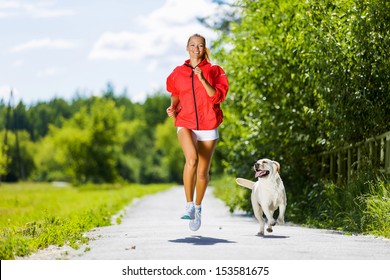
(151, 230)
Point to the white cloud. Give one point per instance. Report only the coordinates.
(124, 45)
(39, 9)
(177, 13)
(162, 34)
(44, 43)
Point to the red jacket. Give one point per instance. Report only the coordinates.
(197, 110)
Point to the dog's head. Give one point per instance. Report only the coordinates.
(266, 167)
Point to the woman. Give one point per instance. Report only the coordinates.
(197, 88)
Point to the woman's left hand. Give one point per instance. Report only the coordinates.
(198, 72)
(209, 89)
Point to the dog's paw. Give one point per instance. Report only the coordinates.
(269, 229)
(260, 233)
(272, 222)
(280, 221)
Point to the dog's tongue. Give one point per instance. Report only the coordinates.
(261, 173)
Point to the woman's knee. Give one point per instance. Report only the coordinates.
(192, 162)
(203, 175)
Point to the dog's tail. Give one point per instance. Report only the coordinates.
(245, 183)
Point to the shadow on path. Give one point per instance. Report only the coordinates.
(273, 236)
(201, 240)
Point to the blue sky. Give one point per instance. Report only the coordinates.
(54, 48)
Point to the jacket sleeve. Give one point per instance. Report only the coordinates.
(220, 83)
(171, 85)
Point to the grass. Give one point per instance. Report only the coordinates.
(376, 209)
(234, 196)
(36, 215)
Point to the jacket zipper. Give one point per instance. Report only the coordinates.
(196, 109)
(193, 94)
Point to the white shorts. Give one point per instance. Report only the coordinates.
(204, 135)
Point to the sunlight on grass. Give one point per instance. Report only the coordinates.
(34, 216)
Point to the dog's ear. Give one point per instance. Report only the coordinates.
(245, 183)
(277, 166)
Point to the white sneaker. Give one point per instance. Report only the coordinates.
(195, 223)
(190, 212)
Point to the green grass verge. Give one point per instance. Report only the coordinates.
(36, 215)
(234, 196)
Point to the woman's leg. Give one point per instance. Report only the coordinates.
(187, 140)
(205, 154)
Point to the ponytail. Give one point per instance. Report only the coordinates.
(207, 54)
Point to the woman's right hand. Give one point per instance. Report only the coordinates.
(171, 112)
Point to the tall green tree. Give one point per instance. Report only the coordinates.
(154, 108)
(16, 159)
(87, 145)
(171, 159)
(354, 44)
(135, 149)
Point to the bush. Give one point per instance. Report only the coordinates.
(375, 209)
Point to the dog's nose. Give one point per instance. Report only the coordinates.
(257, 165)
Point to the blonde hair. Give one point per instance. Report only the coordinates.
(207, 50)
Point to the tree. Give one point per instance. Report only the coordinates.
(88, 144)
(3, 160)
(154, 109)
(355, 46)
(171, 159)
(135, 148)
(16, 158)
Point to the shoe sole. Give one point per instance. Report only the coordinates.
(186, 217)
(192, 227)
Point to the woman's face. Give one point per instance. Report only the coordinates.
(196, 47)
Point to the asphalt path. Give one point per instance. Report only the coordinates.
(151, 229)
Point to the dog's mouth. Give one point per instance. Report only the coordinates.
(261, 173)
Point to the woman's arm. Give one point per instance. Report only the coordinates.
(209, 89)
(171, 110)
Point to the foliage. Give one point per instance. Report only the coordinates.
(353, 42)
(134, 147)
(234, 196)
(95, 139)
(361, 206)
(3, 161)
(16, 159)
(86, 145)
(375, 207)
(34, 216)
(169, 152)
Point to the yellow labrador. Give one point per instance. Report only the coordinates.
(268, 193)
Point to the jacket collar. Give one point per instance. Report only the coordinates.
(202, 63)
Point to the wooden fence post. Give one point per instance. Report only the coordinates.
(340, 164)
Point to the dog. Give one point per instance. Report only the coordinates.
(268, 193)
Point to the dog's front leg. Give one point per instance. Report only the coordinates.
(259, 215)
(282, 209)
(270, 219)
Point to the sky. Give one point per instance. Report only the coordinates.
(57, 48)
